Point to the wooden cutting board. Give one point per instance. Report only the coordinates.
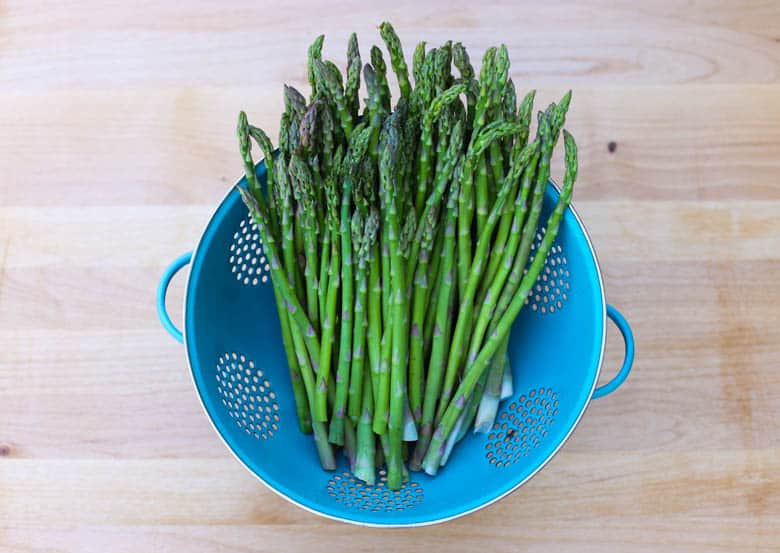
(118, 141)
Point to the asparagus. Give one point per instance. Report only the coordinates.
(397, 60)
(464, 421)
(388, 175)
(353, 76)
(488, 405)
(419, 301)
(441, 333)
(315, 53)
(303, 189)
(516, 168)
(378, 63)
(363, 244)
(368, 258)
(357, 149)
(432, 459)
(470, 281)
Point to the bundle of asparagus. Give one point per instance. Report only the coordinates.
(399, 241)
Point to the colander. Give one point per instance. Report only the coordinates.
(234, 348)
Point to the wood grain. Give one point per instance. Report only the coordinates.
(118, 142)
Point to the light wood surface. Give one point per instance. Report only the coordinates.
(117, 142)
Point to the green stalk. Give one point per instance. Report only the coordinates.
(472, 276)
(329, 81)
(333, 203)
(324, 449)
(464, 421)
(352, 162)
(303, 335)
(301, 403)
(439, 103)
(487, 302)
(336, 435)
(441, 333)
(388, 176)
(324, 273)
(303, 188)
(382, 400)
(374, 330)
(367, 237)
(450, 172)
(315, 53)
(419, 302)
(430, 306)
(476, 369)
(328, 332)
(482, 192)
(355, 393)
(515, 169)
(378, 63)
(529, 226)
(258, 212)
(492, 132)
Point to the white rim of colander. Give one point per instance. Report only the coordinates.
(406, 524)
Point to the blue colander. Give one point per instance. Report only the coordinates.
(234, 348)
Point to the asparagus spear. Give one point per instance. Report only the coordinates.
(388, 176)
(257, 209)
(473, 273)
(439, 103)
(474, 372)
(488, 405)
(365, 238)
(464, 421)
(419, 301)
(315, 53)
(441, 333)
(304, 338)
(516, 168)
(333, 201)
(329, 82)
(398, 299)
(357, 149)
(378, 63)
(303, 189)
(365, 469)
(397, 60)
(352, 83)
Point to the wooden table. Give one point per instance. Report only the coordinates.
(118, 141)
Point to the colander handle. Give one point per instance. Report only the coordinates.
(628, 357)
(162, 291)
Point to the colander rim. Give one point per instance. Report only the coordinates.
(261, 170)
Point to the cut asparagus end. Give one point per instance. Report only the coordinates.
(507, 382)
(365, 469)
(410, 428)
(486, 414)
(453, 439)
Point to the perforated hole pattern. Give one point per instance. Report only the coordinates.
(247, 395)
(521, 427)
(355, 493)
(551, 290)
(247, 261)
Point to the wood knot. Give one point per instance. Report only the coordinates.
(5, 450)
(612, 146)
